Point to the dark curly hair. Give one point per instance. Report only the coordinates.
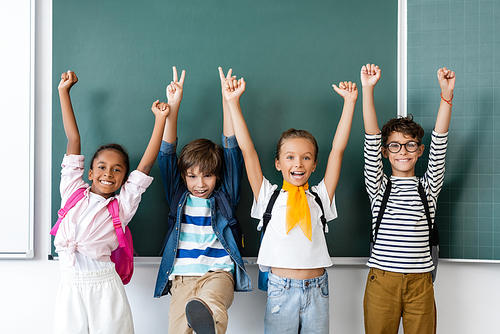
(115, 147)
(405, 125)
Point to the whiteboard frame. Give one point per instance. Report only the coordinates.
(29, 253)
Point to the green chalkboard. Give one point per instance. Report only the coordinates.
(290, 53)
(465, 37)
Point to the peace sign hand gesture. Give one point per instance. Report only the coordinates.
(174, 90)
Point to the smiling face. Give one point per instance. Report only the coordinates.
(108, 173)
(296, 161)
(200, 184)
(403, 162)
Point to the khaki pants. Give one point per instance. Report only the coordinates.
(390, 296)
(216, 289)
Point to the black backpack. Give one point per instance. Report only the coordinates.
(433, 232)
(224, 207)
(263, 275)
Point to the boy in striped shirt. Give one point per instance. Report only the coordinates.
(399, 283)
(201, 264)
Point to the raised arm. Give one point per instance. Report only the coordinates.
(349, 92)
(447, 83)
(227, 128)
(370, 74)
(161, 111)
(68, 79)
(174, 96)
(233, 90)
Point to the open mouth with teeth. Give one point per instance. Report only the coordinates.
(106, 183)
(297, 175)
(199, 193)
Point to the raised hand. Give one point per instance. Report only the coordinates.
(447, 83)
(160, 108)
(68, 79)
(446, 79)
(347, 90)
(225, 78)
(161, 111)
(370, 74)
(234, 88)
(174, 90)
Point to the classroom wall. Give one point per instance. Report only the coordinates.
(467, 294)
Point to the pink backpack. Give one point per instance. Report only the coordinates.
(123, 256)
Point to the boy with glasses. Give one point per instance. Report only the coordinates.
(399, 283)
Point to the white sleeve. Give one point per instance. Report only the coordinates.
(130, 194)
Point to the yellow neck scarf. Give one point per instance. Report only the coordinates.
(297, 209)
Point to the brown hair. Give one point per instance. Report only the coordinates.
(294, 134)
(405, 125)
(204, 154)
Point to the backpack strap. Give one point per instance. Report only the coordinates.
(172, 215)
(318, 201)
(433, 232)
(114, 211)
(373, 236)
(267, 215)
(70, 203)
(224, 206)
(433, 236)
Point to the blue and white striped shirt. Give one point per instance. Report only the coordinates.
(402, 243)
(199, 250)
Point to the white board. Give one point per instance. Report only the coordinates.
(17, 129)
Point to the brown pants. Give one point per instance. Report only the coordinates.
(390, 296)
(216, 289)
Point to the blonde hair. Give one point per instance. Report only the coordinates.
(294, 134)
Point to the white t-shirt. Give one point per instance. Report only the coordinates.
(293, 250)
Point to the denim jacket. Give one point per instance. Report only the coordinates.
(230, 185)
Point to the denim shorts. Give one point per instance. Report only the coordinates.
(297, 306)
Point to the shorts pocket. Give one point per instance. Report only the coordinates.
(324, 290)
(274, 290)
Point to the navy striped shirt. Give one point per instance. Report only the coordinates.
(402, 243)
(199, 250)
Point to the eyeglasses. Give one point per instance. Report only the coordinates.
(410, 147)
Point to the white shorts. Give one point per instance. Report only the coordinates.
(92, 302)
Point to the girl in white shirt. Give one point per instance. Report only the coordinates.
(294, 246)
(91, 297)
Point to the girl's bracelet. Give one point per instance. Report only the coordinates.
(447, 101)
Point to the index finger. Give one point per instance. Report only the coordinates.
(174, 69)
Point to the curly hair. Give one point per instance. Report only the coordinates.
(405, 125)
(115, 147)
(293, 134)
